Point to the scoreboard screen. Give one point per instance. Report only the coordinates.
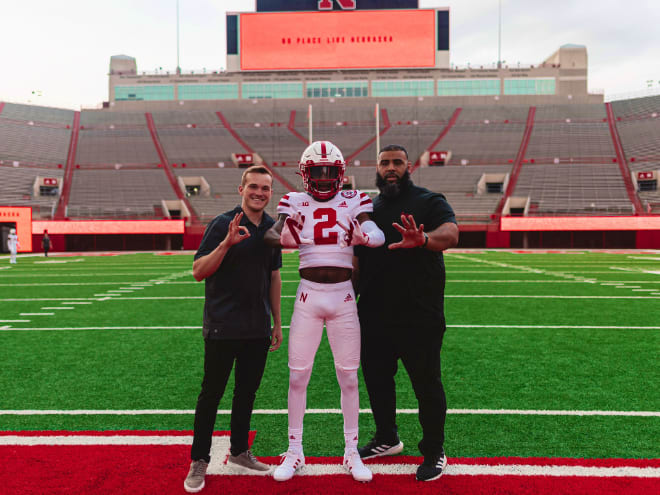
(337, 40)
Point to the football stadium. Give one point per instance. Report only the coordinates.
(550, 358)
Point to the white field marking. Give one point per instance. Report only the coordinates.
(104, 299)
(470, 470)
(645, 258)
(56, 284)
(644, 290)
(61, 274)
(58, 307)
(627, 287)
(36, 314)
(96, 440)
(174, 412)
(449, 280)
(133, 288)
(14, 321)
(77, 302)
(531, 296)
(578, 327)
(581, 327)
(459, 296)
(531, 270)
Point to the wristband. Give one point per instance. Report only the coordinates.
(426, 240)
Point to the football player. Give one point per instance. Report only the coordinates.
(324, 223)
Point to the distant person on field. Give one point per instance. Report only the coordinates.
(45, 243)
(243, 287)
(13, 245)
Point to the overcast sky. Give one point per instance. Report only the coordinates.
(62, 49)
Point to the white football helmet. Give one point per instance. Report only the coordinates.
(322, 167)
(12, 230)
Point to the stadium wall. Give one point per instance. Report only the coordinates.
(543, 233)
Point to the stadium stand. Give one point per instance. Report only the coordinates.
(118, 193)
(574, 189)
(18, 189)
(489, 137)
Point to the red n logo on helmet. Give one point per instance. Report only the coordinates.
(344, 4)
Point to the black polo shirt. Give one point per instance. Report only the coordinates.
(404, 287)
(237, 303)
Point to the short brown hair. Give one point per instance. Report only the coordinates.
(255, 169)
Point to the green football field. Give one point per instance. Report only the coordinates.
(546, 354)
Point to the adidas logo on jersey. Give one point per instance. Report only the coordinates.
(348, 298)
(342, 205)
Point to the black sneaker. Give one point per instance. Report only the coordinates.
(376, 449)
(432, 467)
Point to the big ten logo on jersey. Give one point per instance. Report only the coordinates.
(344, 4)
(349, 194)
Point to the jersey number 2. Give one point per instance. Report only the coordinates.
(329, 216)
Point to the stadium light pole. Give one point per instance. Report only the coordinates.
(178, 66)
(499, 36)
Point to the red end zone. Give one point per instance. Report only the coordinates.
(83, 462)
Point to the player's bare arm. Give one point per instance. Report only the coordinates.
(444, 237)
(207, 265)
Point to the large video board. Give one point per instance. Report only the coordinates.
(337, 40)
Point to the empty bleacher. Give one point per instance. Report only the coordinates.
(100, 193)
(123, 145)
(37, 114)
(18, 189)
(574, 189)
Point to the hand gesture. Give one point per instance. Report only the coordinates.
(412, 236)
(236, 232)
(291, 236)
(353, 233)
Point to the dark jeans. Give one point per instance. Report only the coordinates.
(219, 356)
(420, 354)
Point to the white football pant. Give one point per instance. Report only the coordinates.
(334, 305)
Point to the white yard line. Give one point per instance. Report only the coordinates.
(480, 470)
(36, 314)
(151, 412)
(58, 307)
(197, 327)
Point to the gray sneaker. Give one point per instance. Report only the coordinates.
(195, 479)
(248, 461)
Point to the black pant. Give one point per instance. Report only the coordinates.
(219, 356)
(419, 350)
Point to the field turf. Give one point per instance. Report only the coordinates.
(532, 338)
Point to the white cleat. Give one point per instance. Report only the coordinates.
(292, 462)
(354, 465)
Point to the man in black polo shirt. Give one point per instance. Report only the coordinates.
(243, 288)
(401, 286)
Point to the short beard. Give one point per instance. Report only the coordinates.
(392, 189)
